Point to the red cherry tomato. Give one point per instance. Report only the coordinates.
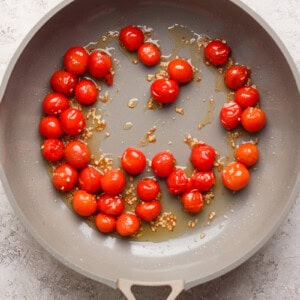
(149, 54)
(163, 163)
(77, 154)
(131, 37)
(113, 182)
(230, 115)
(105, 223)
(192, 201)
(72, 121)
(54, 104)
(164, 90)
(100, 64)
(50, 127)
(90, 179)
(236, 76)
(203, 157)
(133, 161)
(111, 205)
(84, 203)
(177, 182)
(247, 154)
(246, 96)
(217, 52)
(53, 149)
(235, 176)
(253, 119)
(148, 189)
(180, 70)
(202, 180)
(148, 211)
(63, 82)
(64, 177)
(86, 92)
(76, 60)
(127, 224)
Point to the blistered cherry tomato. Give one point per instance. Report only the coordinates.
(105, 223)
(148, 189)
(202, 180)
(235, 176)
(148, 211)
(177, 182)
(127, 224)
(192, 201)
(180, 70)
(236, 76)
(217, 52)
(113, 182)
(203, 157)
(149, 54)
(72, 121)
(111, 205)
(90, 179)
(63, 82)
(100, 64)
(77, 154)
(247, 154)
(133, 161)
(230, 115)
(50, 127)
(64, 177)
(54, 104)
(84, 203)
(164, 90)
(253, 119)
(131, 37)
(76, 60)
(163, 163)
(246, 96)
(53, 149)
(86, 92)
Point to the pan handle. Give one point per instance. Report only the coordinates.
(125, 285)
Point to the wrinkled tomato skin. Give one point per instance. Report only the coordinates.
(63, 82)
(64, 177)
(192, 201)
(164, 90)
(230, 115)
(236, 76)
(111, 205)
(100, 64)
(127, 224)
(53, 149)
(54, 104)
(202, 181)
(177, 182)
(203, 157)
(86, 92)
(148, 211)
(90, 179)
(72, 121)
(217, 52)
(148, 189)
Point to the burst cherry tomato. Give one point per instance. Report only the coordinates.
(76, 60)
(50, 127)
(180, 70)
(111, 205)
(235, 176)
(217, 52)
(177, 182)
(53, 149)
(84, 203)
(109, 78)
(127, 224)
(113, 182)
(148, 211)
(163, 163)
(149, 54)
(64, 177)
(230, 115)
(63, 82)
(90, 179)
(54, 104)
(100, 64)
(253, 119)
(86, 92)
(131, 37)
(105, 223)
(164, 90)
(192, 201)
(133, 161)
(236, 76)
(72, 121)
(203, 157)
(148, 189)
(77, 154)
(247, 154)
(246, 96)
(202, 180)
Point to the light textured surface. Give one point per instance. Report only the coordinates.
(29, 272)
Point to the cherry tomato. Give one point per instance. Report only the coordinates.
(111, 205)
(63, 82)
(202, 180)
(246, 96)
(149, 54)
(163, 163)
(192, 201)
(54, 104)
(133, 161)
(72, 121)
(90, 179)
(164, 90)
(53, 149)
(100, 64)
(127, 224)
(217, 52)
(131, 37)
(76, 60)
(253, 119)
(50, 127)
(236, 76)
(77, 154)
(84, 203)
(235, 176)
(177, 182)
(247, 154)
(64, 177)
(180, 70)
(148, 189)
(230, 115)
(148, 211)
(203, 157)
(105, 223)
(86, 92)
(113, 182)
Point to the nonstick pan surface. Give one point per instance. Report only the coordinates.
(244, 221)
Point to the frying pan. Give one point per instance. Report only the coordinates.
(244, 221)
